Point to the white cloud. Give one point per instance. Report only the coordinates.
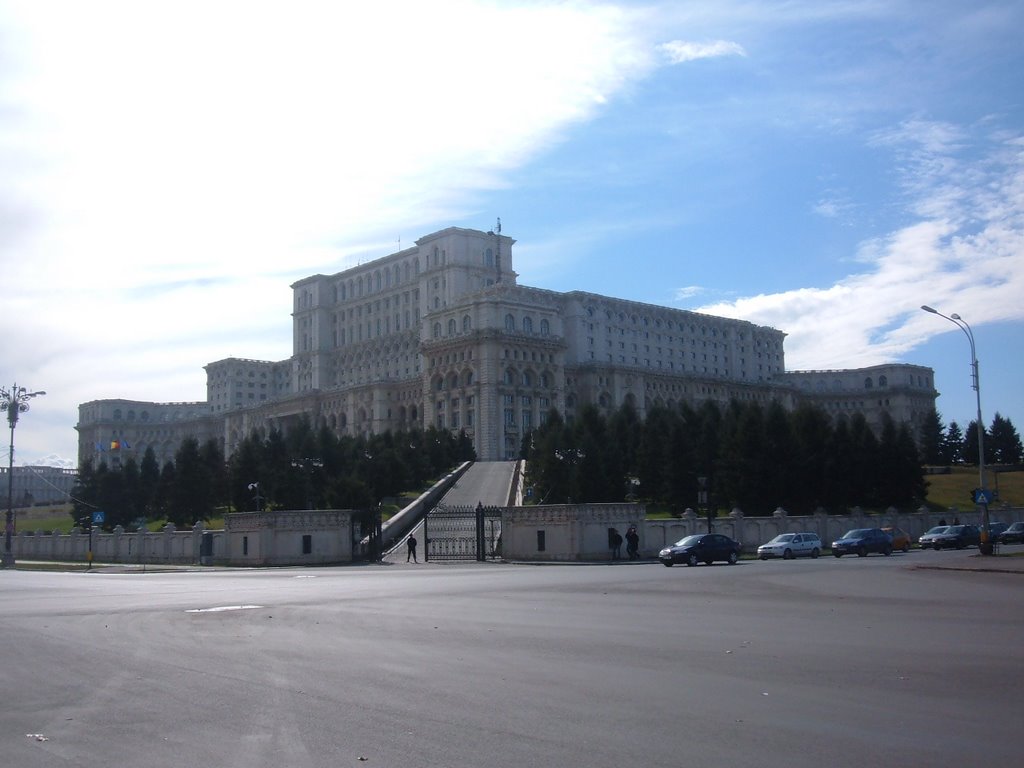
(964, 254)
(680, 51)
(688, 292)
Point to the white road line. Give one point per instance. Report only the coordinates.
(220, 608)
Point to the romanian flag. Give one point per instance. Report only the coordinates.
(115, 445)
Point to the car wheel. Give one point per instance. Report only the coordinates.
(862, 552)
(733, 557)
(906, 548)
(838, 554)
(787, 555)
(887, 551)
(814, 553)
(691, 560)
(764, 557)
(668, 564)
(959, 545)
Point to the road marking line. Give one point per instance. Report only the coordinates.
(220, 608)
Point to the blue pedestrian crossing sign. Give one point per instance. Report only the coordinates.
(983, 496)
(99, 517)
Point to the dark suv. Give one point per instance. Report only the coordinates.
(860, 541)
(958, 537)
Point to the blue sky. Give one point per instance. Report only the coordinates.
(168, 169)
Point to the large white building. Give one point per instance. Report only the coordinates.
(441, 333)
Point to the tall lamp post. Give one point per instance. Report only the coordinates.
(981, 497)
(15, 402)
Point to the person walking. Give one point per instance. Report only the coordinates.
(632, 543)
(615, 543)
(411, 549)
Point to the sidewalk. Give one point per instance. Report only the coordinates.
(1011, 560)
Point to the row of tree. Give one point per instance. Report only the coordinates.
(942, 445)
(300, 469)
(746, 455)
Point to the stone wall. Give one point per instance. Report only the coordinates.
(168, 545)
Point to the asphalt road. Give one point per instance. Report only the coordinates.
(847, 662)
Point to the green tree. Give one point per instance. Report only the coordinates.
(953, 444)
(970, 444)
(149, 483)
(192, 496)
(933, 438)
(812, 438)
(1006, 445)
(864, 463)
(741, 465)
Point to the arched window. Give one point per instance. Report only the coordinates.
(545, 380)
(545, 327)
(527, 379)
(883, 381)
(510, 323)
(451, 327)
(466, 324)
(467, 380)
(488, 258)
(868, 383)
(510, 377)
(528, 325)
(437, 330)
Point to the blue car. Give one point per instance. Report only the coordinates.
(861, 541)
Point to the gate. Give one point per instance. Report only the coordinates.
(366, 536)
(455, 533)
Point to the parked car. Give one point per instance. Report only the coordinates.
(790, 545)
(900, 538)
(994, 529)
(701, 548)
(927, 539)
(1014, 534)
(861, 541)
(957, 537)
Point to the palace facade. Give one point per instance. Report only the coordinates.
(441, 333)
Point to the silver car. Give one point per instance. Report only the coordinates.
(790, 545)
(927, 539)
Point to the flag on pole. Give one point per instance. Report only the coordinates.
(115, 445)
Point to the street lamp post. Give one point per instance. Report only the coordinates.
(15, 402)
(255, 487)
(307, 466)
(981, 497)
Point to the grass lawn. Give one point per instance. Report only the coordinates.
(954, 489)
